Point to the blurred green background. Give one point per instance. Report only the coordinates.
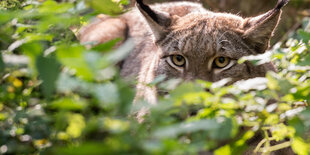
(58, 97)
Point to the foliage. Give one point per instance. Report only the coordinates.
(59, 97)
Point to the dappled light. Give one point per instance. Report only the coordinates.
(60, 96)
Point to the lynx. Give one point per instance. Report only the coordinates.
(184, 40)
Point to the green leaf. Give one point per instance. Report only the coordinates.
(305, 36)
(305, 61)
(298, 125)
(32, 50)
(122, 52)
(76, 125)
(185, 88)
(68, 84)
(300, 147)
(6, 16)
(1, 64)
(126, 97)
(175, 130)
(276, 82)
(48, 69)
(157, 80)
(68, 104)
(52, 7)
(105, 47)
(74, 57)
(223, 150)
(108, 7)
(225, 129)
(107, 94)
(305, 117)
(94, 148)
(117, 55)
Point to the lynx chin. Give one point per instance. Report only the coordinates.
(184, 40)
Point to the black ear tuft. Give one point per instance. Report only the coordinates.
(158, 21)
(281, 3)
(148, 10)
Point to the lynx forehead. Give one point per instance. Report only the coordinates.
(184, 40)
(201, 38)
(206, 36)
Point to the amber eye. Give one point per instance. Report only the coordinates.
(178, 60)
(221, 62)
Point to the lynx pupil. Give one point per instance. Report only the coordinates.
(221, 59)
(179, 58)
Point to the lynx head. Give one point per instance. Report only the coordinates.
(207, 45)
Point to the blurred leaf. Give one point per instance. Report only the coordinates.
(305, 61)
(50, 6)
(127, 95)
(105, 47)
(257, 83)
(304, 35)
(106, 93)
(68, 104)
(225, 129)
(74, 58)
(300, 147)
(93, 148)
(67, 84)
(302, 122)
(185, 88)
(32, 50)
(1, 64)
(38, 37)
(175, 130)
(6, 16)
(157, 80)
(256, 59)
(108, 7)
(116, 125)
(298, 125)
(50, 75)
(121, 52)
(276, 82)
(223, 150)
(92, 110)
(76, 125)
(281, 131)
(124, 2)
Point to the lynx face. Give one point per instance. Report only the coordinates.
(184, 40)
(207, 45)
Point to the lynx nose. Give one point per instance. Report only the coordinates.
(190, 76)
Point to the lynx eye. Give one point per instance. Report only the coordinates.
(221, 62)
(178, 60)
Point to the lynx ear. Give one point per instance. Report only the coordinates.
(158, 21)
(258, 30)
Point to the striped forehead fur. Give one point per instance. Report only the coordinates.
(206, 35)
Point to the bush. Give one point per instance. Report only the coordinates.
(57, 97)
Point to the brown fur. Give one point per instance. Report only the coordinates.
(103, 29)
(199, 35)
(189, 30)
